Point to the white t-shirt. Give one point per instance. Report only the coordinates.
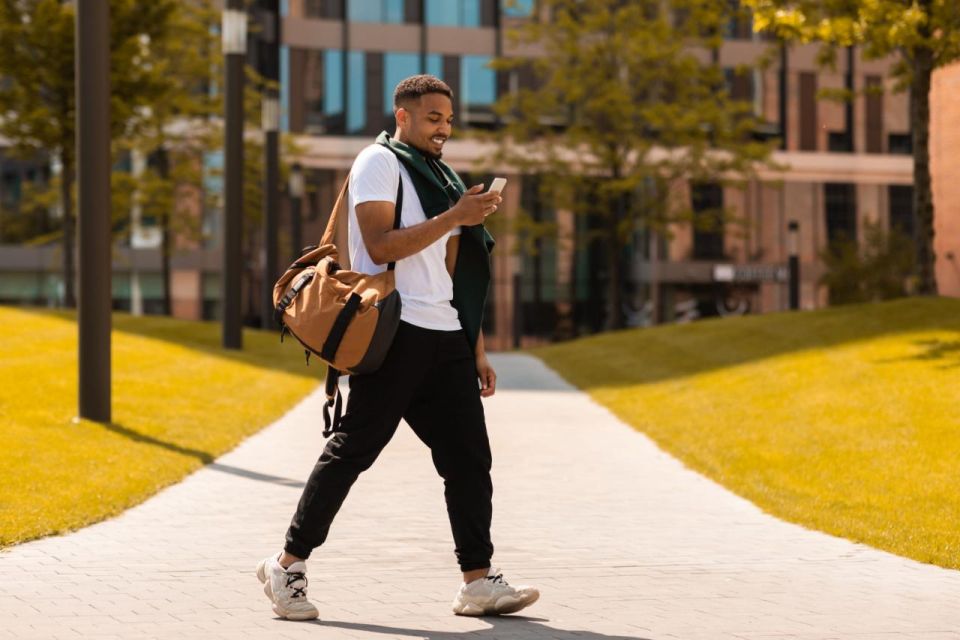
(425, 287)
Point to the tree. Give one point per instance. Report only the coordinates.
(922, 35)
(178, 126)
(877, 269)
(627, 104)
(37, 97)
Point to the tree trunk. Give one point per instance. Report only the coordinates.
(922, 191)
(166, 250)
(66, 202)
(614, 314)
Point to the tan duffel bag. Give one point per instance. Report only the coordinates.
(347, 319)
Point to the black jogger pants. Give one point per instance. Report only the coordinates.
(429, 379)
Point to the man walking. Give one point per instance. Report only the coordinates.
(430, 375)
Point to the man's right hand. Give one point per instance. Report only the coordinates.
(474, 206)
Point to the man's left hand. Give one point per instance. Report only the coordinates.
(487, 376)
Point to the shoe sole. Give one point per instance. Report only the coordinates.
(262, 577)
(504, 606)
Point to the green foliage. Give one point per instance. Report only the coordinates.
(627, 103)
(880, 27)
(918, 35)
(624, 99)
(877, 269)
(38, 99)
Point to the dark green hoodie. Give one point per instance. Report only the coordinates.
(439, 187)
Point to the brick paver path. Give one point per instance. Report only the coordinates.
(623, 541)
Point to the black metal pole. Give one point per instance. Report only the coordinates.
(782, 95)
(233, 173)
(270, 69)
(848, 115)
(517, 310)
(270, 202)
(794, 265)
(296, 215)
(93, 215)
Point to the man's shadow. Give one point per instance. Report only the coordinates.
(500, 627)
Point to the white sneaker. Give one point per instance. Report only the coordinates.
(492, 596)
(287, 589)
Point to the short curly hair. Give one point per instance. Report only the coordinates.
(414, 87)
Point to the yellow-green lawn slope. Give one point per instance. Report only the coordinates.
(845, 420)
(179, 401)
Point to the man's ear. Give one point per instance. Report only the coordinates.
(402, 117)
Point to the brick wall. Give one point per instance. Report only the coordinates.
(945, 164)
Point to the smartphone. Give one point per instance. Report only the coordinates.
(497, 185)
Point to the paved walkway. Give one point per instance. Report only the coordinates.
(623, 541)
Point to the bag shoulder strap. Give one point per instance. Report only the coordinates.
(398, 210)
(331, 229)
(334, 219)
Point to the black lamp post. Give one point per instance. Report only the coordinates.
(234, 49)
(793, 250)
(269, 63)
(271, 123)
(93, 185)
(296, 189)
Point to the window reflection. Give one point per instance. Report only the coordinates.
(453, 13)
(518, 8)
(316, 90)
(357, 92)
(435, 65)
(396, 67)
(388, 11)
(478, 82)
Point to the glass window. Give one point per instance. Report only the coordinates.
(518, 8)
(333, 81)
(453, 13)
(900, 143)
(901, 208)
(375, 11)
(329, 9)
(11, 190)
(393, 11)
(435, 65)
(841, 209)
(396, 67)
(470, 13)
(444, 13)
(478, 82)
(357, 94)
(313, 90)
(213, 207)
(364, 11)
(707, 201)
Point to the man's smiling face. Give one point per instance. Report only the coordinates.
(426, 123)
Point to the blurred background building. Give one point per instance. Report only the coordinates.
(849, 165)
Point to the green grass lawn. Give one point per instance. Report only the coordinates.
(179, 401)
(845, 420)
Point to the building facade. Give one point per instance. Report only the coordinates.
(848, 165)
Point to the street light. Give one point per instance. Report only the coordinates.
(270, 123)
(793, 250)
(93, 214)
(234, 49)
(268, 60)
(296, 189)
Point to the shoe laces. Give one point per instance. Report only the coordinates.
(297, 592)
(498, 579)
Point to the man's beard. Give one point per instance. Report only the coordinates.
(428, 153)
(431, 154)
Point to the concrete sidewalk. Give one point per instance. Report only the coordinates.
(623, 541)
